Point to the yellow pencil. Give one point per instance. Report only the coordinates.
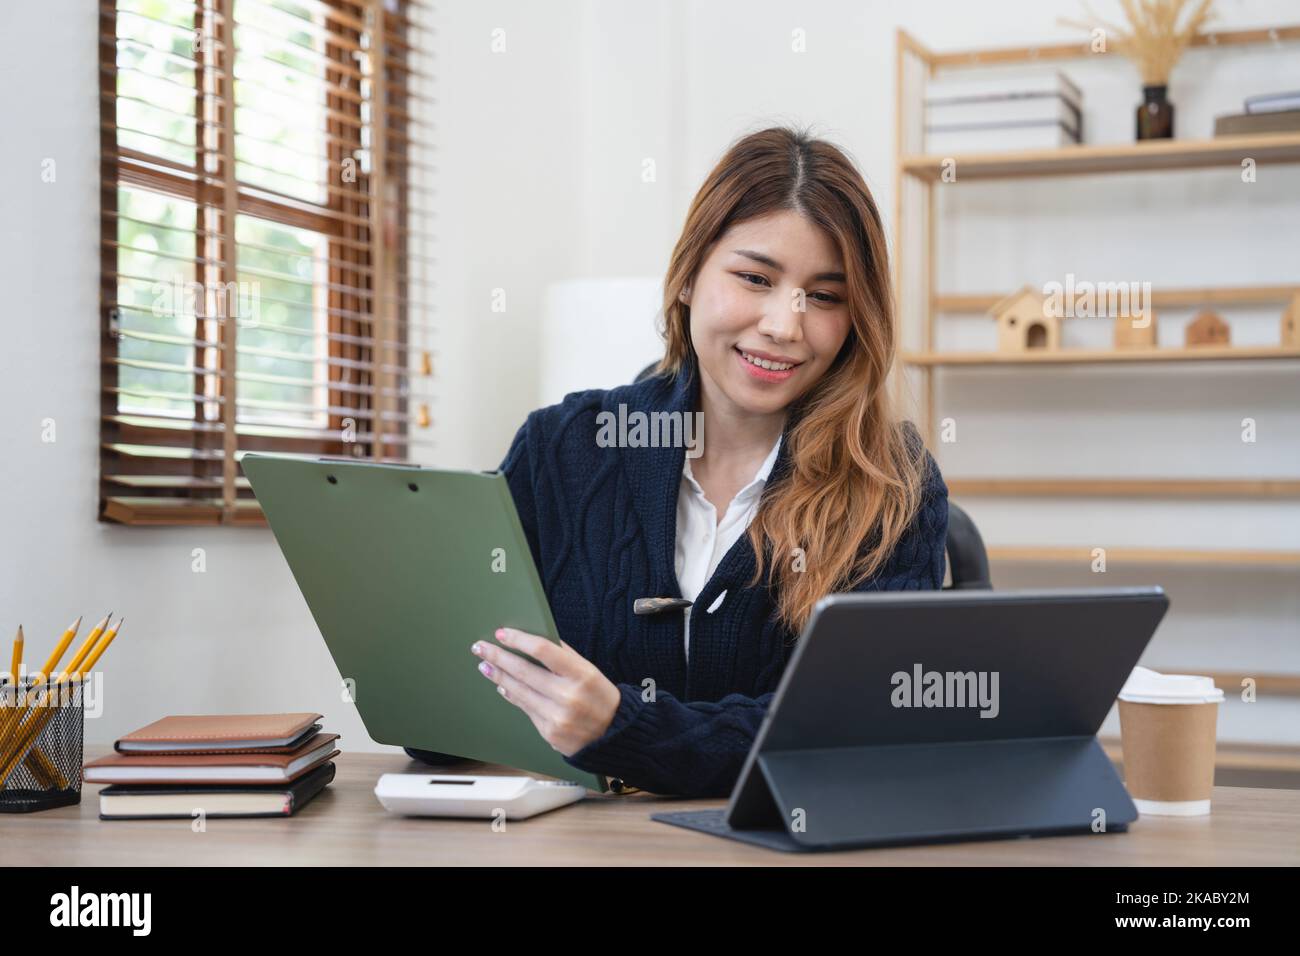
(100, 648)
(37, 761)
(57, 654)
(86, 646)
(17, 659)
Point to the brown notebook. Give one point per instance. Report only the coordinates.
(221, 733)
(225, 768)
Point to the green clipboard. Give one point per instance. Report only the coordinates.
(403, 568)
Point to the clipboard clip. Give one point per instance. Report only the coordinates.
(657, 605)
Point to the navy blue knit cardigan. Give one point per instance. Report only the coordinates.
(601, 523)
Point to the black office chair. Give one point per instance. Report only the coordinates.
(968, 561)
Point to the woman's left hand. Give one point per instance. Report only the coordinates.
(570, 702)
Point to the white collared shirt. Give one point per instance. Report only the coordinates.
(702, 541)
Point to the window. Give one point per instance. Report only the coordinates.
(266, 285)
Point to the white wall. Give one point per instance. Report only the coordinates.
(542, 150)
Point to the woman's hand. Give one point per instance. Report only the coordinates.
(570, 702)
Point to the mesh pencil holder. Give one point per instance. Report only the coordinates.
(41, 733)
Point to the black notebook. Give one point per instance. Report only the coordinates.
(150, 801)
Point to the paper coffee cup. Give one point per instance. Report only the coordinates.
(1167, 727)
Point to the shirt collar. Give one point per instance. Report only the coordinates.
(654, 477)
(755, 485)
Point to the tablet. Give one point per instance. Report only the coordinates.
(931, 716)
(404, 568)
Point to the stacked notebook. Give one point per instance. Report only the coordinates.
(996, 113)
(236, 765)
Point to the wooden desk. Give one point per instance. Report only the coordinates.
(346, 826)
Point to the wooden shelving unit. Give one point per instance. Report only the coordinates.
(916, 177)
(917, 174)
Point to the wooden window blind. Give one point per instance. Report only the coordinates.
(266, 260)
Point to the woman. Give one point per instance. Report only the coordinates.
(779, 335)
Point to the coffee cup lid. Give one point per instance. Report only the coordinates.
(1145, 686)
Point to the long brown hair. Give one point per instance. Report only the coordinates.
(854, 481)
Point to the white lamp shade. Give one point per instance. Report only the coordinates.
(597, 333)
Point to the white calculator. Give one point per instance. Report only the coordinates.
(434, 795)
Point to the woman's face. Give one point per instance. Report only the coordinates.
(771, 290)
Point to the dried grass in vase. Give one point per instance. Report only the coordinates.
(1158, 33)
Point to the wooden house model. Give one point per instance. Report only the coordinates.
(1024, 322)
(1131, 336)
(1291, 323)
(1208, 328)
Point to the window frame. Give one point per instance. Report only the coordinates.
(364, 320)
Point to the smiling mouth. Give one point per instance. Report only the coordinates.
(767, 364)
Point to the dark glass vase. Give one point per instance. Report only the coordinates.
(1155, 117)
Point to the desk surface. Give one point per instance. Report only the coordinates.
(346, 826)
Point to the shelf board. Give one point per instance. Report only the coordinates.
(1233, 756)
(1207, 353)
(1266, 684)
(1043, 52)
(1083, 160)
(1166, 556)
(1160, 298)
(1125, 487)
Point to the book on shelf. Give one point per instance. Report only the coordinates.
(999, 138)
(1273, 102)
(1246, 124)
(995, 114)
(1040, 84)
